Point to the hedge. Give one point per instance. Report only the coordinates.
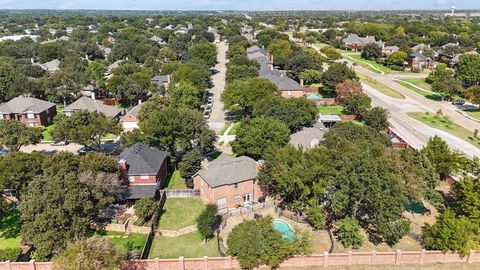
(10, 254)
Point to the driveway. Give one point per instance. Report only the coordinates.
(217, 116)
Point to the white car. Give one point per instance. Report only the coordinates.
(206, 114)
(210, 98)
(210, 104)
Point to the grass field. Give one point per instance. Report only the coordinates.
(419, 83)
(10, 230)
(474, 113)
(180, 213)
(331, 109)
(175, 181)
(125, 242)
(380, 86)
(369, 64)
(444, 123)
(189, 245)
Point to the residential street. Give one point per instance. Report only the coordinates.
(217, 117)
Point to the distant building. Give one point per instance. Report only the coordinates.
(387, 50)
(161, 80)
(229, 182)
(92, 105)
(419, 61)
(130, 120)
(308, 137)
(51, 66)
(28, 110)
(19, 37)
(144, 169)
(355, 43)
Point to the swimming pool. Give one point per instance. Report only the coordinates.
(314, 96)
(285, 229)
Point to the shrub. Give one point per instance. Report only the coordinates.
(348, 233)
(208, 221)
(145, 208)
(10, 254)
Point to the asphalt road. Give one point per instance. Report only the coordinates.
(217, 116)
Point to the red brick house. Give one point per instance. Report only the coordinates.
(419, 61)
(143, 169)
(130, 120)
(229, 182)
(30, 111)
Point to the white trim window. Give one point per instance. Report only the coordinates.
(247, 197)
(131, 179)
(30, 115)
(144, 177)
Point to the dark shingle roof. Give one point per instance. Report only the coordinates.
(134, 192)
(22, 104)
(418, 55)
(227, 170)
(142, 160)
(134, 111)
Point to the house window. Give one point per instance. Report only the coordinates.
(131, 179)
(30, 115)
(222, 203)
(246, 197)
(236, 198)
(144, 177)
(235, 186)
(1, 115)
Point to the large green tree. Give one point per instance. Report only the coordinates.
(85, 128)
(295, 112)
(467, 69)
(208, 221)
(445, 160)
(14, 134)
(336, 74)
(18, 169)
(204, 53)
(185, 94)
(254, 136)
(242, 95)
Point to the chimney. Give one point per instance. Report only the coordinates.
(86, 56)
(123, 168)
(92, 95)
(301, 82)
(139, 102)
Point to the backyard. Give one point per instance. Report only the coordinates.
(380, 86)
(444, 123)
(189, 245)
(10, 230)
(175, 181)
(180, 213)
(369, 64)
(126, 242)
(331, 109)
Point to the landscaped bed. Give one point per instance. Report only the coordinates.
(380, 86)
(10, 230)
(189, 245)
(180, 213)
(444, 123)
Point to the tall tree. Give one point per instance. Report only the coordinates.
(371, 51)
(203, 52)
(18, 169)
(445, 160)
(208, 221)
(467, 69)
(347, 88)
(256, 135)
(185, 94)
(14, 134)
(376, 118)
(336, 74)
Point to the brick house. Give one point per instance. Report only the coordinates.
(229, 182)
(30, 111)
(419, 61)
(354, 42)
(92, 105)
(130, 120)
(143, 169)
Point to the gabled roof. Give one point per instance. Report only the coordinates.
(418, 55)
(159, 79)
(135, 192)
(227, 170)
(142, 160)
(92, 105)
(353, 39)
(22, 104)
(133, 112)
(53, 65)
(308, 137)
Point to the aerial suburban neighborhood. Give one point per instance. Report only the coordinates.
(149, 138)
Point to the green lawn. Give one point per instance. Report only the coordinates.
(419, 83)
(380, 86)
(234, 129)
(47, 133)
(474, 113)
(175, 181)
(180, 213)
(369, 64)
(10, 230)
(444, 123)
(189, 245)
(124, 241)
(331, 109)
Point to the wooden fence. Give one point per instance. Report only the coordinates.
(182, 193)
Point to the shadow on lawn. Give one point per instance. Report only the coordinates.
(10, 224)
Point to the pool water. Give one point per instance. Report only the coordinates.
(314, 96)
(285, 229)
(416, 207)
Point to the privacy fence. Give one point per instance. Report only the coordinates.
(315, 260)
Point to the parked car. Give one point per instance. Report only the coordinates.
(210, 104)
(458, 102)
(59, 143)
(208, 110)
(206, 114)
(85, 150)
(210, 98)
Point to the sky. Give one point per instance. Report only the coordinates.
(240, 4)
